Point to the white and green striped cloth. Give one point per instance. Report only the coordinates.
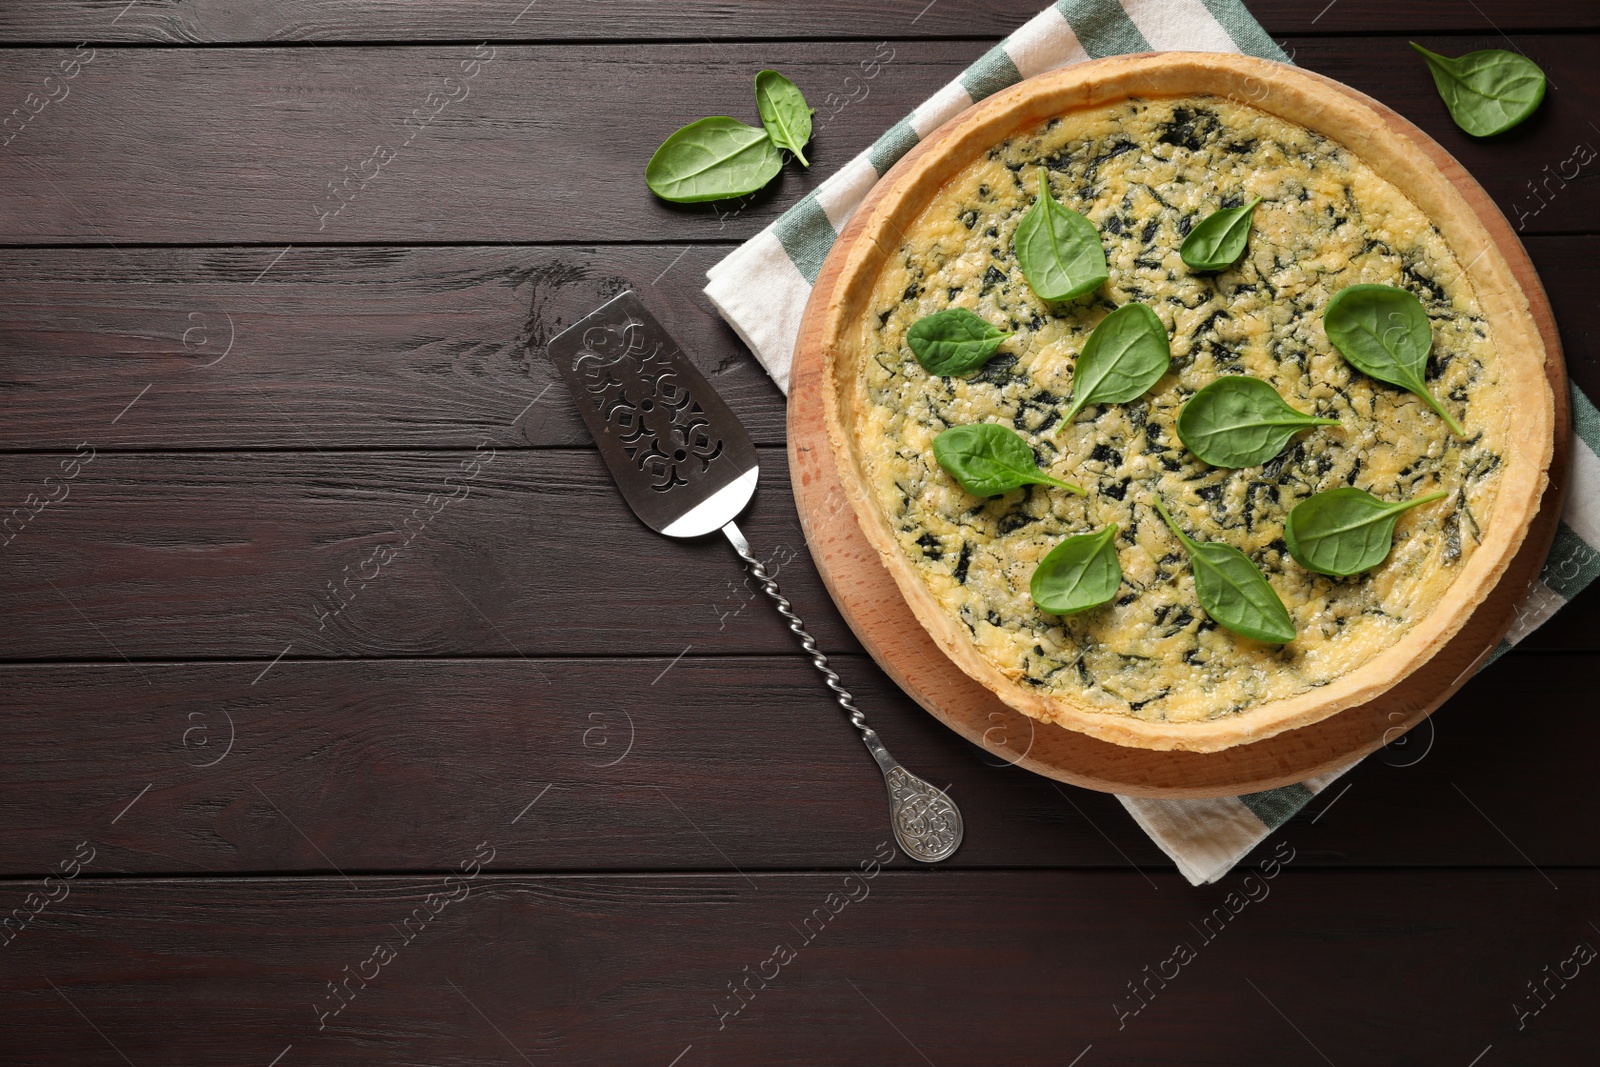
(761, 288)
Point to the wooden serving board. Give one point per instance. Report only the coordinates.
(872, 604)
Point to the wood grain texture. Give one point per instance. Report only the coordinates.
(549, 143)
(206, 555)
(876, 608)
(398, 347)
(646, 764)
(349, 362)
(1535, 173)
(952, 968)
(545, 143)
(241, 554)
(196, 21)
(333, 347)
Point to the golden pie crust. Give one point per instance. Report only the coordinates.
(854, 421)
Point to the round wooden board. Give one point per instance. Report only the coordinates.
(874, 608)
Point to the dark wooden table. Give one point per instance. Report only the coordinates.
(322, 743)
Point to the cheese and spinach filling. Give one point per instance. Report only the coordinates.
(1144, 172)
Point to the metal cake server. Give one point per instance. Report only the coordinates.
(687, 467)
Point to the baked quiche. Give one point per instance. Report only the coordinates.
(1146, 148)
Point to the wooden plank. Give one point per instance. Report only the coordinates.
(397, 347)
(244, 554)
(548, 143)
(693, 763)
(1363, 17)
(612, 764)
(1448, 782)
(542, 144)
(1545, 174)
(1566, 632)
(953, 967)
(454, 20)
(333, 347)
(204, 555)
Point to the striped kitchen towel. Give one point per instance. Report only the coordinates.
(761, 288)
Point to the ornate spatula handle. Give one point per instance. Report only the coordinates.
(926, 822)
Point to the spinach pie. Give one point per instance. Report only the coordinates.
(1265, 226)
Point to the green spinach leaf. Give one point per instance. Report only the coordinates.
(1384, 333)
(712, 159)
(1127, 353)
(1059, 249)
(1240, 422)
(953, 341)
(1080, 573)
(1346, 530)
(1487, 92)
(784, 112)
(1218, 240)
(1232, 591)
(988, 460)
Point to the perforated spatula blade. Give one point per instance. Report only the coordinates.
(686, 467)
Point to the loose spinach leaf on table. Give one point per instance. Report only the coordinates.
(953, 341)
(1384, 333)
(1127, 353)
(1232, 591)
(1217, 241)
(1346, 530)
(784, 112)
(1080, 573)
(1059, 249)
(988, 459)
(712, 159)
(1240, 422)
(1487, 92)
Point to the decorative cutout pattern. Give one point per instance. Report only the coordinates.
(630, 379)
(926, 823)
